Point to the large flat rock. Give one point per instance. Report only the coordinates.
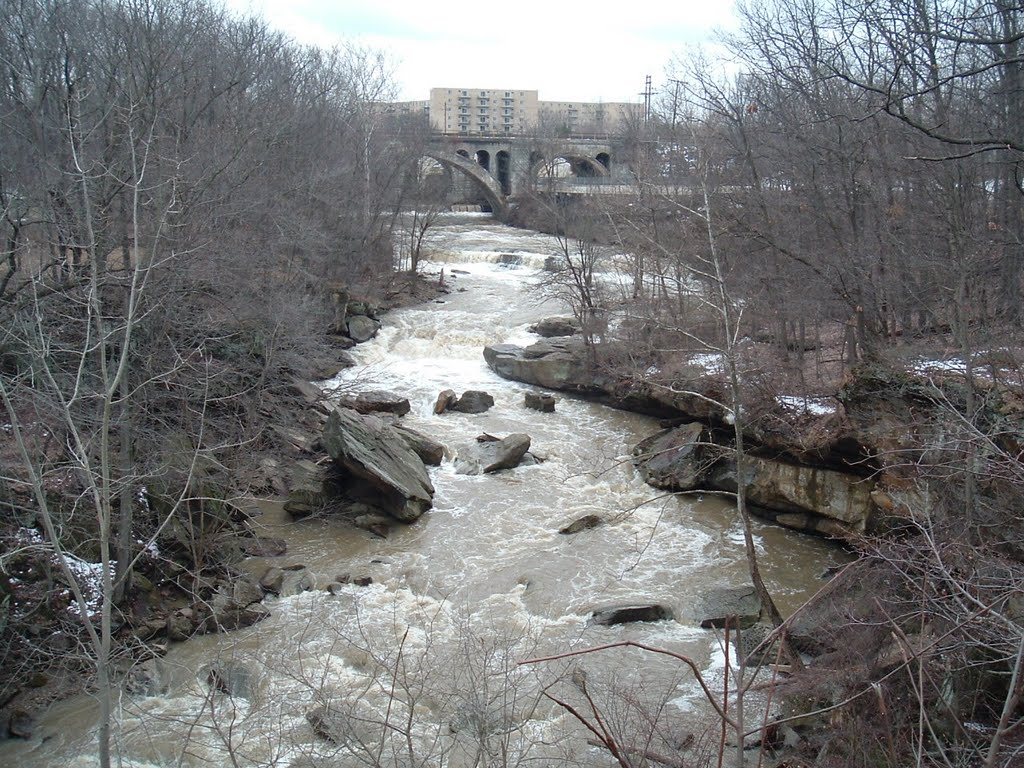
(559, 363)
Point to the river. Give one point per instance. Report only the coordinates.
(421, 667)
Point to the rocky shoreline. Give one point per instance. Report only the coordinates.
(841, 471)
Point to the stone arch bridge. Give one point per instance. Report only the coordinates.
(502, 167)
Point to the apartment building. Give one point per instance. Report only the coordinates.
(587, 117)
(482, 111)
(494, 112)
(408, 108)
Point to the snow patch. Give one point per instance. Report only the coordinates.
(816, 406)
(711, 362)
(89, 576)
(953, 365)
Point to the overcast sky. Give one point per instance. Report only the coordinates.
(566, 50)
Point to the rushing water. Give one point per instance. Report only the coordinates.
(421, 667)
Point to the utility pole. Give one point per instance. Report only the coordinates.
(647, 93)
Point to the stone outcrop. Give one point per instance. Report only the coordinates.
(491, 454)
(379, 463)
(811, 499)
(805, 498)
(797, 478)
(552, 363)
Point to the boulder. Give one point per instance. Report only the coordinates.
(269, 478)
(626, 614)
(740, 606)
(360, 308)
(306, 490)
(490, 454)
(539, 402)
(378, 401)
(340, 341)
(233, 605)
(473, 401)
(551, 363)
(296, 579)
(584, 523)
(359, 581)
(263, 546)
(180, 625)
(272, 580)
(20, 725)
(556, 326)
(371, 451)
(673, 459)
(307, 390)
(445, 400)
(362, 328)
(245, 592)
(429, 450)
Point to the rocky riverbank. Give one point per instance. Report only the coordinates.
(840, 466)
(186, 579)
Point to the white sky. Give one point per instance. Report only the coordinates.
(566, 49)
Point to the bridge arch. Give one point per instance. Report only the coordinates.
(492, 190)
(587, 167)
(579, 165)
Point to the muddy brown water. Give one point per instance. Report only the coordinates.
(421, 667)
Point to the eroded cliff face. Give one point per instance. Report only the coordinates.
(851, 469)
(808, 498)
